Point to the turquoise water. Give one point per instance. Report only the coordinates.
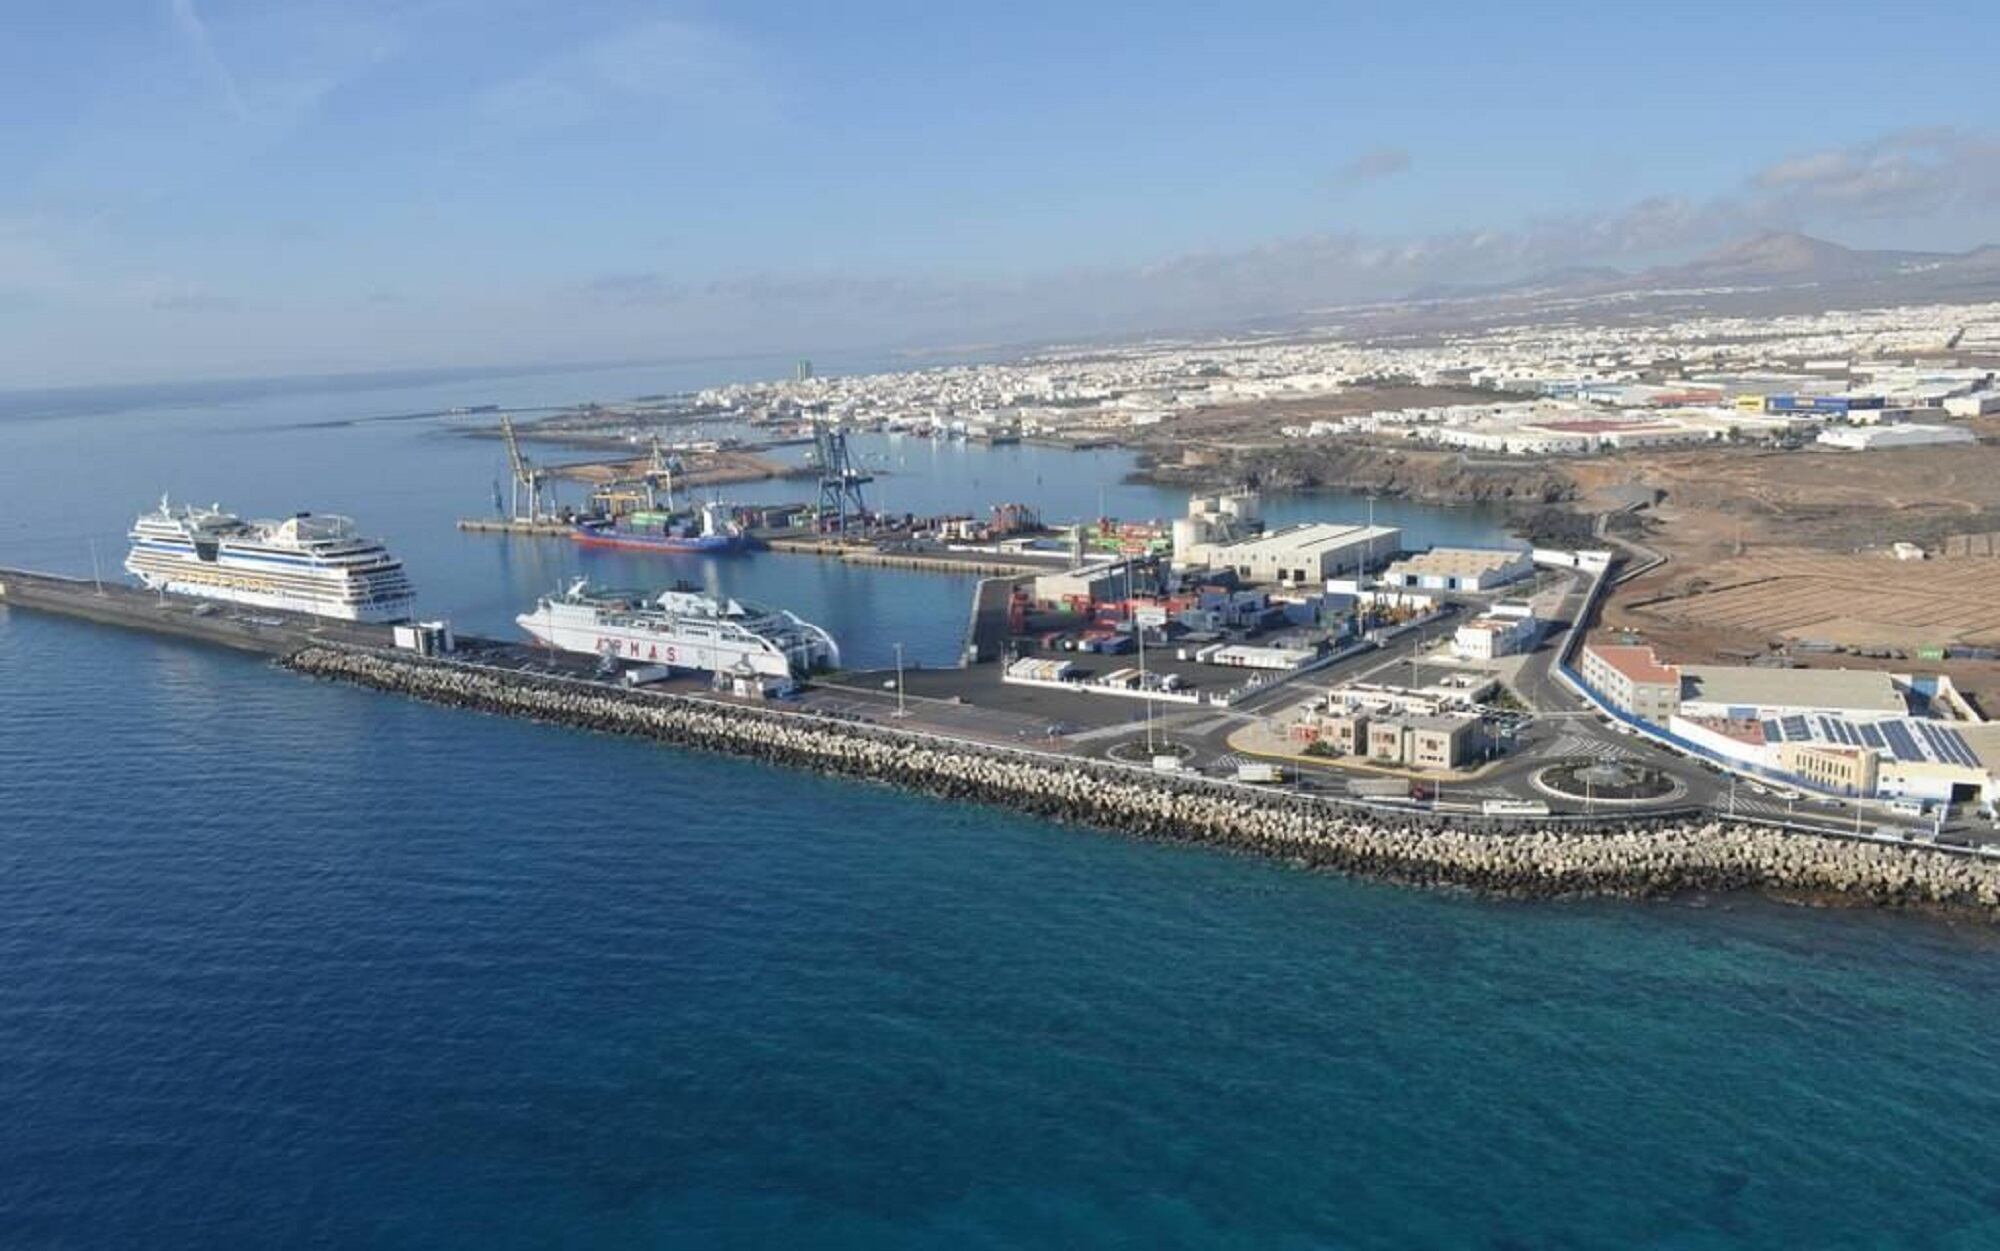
(294, 964)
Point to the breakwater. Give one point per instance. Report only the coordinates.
(1641, 858)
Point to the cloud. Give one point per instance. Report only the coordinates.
(1906, 173)
(1371, 166)
(194, 32)
(676, 68)
(1284, 276)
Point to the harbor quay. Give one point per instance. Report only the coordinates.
(1651, 853)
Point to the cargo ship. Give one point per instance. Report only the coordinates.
(706, 529)
(307, 563)
(682, 628)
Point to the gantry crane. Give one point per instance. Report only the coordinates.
(840, 483)
(527, 476)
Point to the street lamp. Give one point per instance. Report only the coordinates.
(902, 710)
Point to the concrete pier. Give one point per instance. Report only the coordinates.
(263, 630)
(936, 562)
(503, 525)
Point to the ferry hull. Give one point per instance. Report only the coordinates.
(640, 647)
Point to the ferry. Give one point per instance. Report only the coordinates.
(683, 628)
(307, 563)
(706, 529)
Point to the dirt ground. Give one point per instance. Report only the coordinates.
(711, 469)
(1258, 421)
(1771, 547)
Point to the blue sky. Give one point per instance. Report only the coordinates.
(220, 187)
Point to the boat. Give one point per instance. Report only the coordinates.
(706, 529)
(681, 627)
(318, 564)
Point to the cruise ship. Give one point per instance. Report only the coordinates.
(682, 628)
(307, 563)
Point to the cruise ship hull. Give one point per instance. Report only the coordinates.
(373, 614)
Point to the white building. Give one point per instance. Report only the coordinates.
(1738, 692)
(1489, 638)
(1871, 438)
(1460, 569)
(1310, 552)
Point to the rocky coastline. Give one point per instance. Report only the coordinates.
(1654, 857)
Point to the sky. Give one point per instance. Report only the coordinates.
(217, 188)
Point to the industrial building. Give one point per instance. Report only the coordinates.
(1909, 434)
(1632, 680)
(1308, 553)
(1891, 757)
(1105, 581)
(1461, 568)
(1738, 693)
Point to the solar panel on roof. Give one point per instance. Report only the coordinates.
(1900, 742)
(1773, 733)
(1929, 736)
(1847, 734)
(1956, 750)
(1795, 728)
(1826, 729)
(1872, 737)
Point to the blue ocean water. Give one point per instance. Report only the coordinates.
(296, 964)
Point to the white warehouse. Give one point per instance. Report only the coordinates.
(1305, 554)
(1870, 438)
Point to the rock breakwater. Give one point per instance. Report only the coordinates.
(1644, 857)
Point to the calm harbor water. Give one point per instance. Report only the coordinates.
(291, 964)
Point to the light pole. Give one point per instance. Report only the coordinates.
(1145, 687)
(902, 710)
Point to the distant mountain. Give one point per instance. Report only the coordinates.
(1774, 261)
(1786, 258)
(1567, 278)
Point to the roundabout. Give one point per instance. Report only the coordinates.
(1135, 750)
(1621, 782)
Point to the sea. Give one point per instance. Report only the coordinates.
(292, 964)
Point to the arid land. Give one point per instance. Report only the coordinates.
(1767, 551)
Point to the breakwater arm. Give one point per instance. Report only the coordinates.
(1650, 857)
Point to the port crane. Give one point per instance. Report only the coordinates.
(840, 482)
(653, 484)
(527, 476)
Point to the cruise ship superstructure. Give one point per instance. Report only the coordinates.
(683, 628)
(307, 563)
